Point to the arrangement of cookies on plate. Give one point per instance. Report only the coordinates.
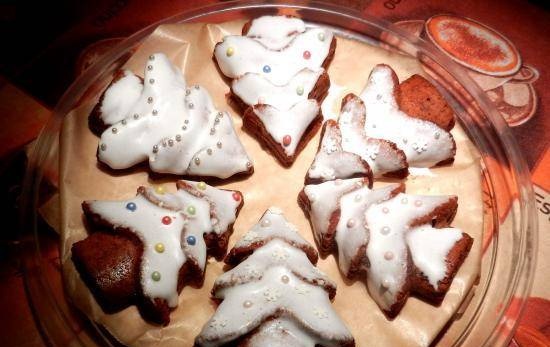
(143, 251)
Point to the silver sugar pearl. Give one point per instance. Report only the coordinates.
(152, 57)
(136, 116)
(212, 131)
(187, 91)
(220, 114)
(265, 223)
(209, 151)
(219, 144)
(178, 138)
(247, 304)
(114, 130)
(186, 121)
(184, 127)
(197, 161)
(151, 80)
(149, 67)
(437, 135)
(103, 146)
(170, 142)
(150, 99)
(123, 122)
(217, 120)
(155, 112)
(197, 86)
(285, 279)
(190, 105)
(155, 149)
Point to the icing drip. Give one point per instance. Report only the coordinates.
(424, 143)
(175, 127)
(275, 32)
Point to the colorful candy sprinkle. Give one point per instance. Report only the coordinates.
(131, 206)
(191, 240)
(159, 247)
(321, 36)
(267, 69)
(286, 140)
(300, 90)
(160, 190)
(166, 220)
(155, 276)
(307, 54)
(236, 196)
(230, 51)
(201, 185)
(191, 209)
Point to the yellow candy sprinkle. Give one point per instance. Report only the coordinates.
(159, 247)
(201, 185)
(160, 190)
(230, 51)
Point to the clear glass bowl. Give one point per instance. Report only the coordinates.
(488, 319)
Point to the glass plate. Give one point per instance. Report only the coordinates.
(487, 319)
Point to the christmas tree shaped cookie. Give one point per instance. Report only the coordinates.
(399, 243)
(142, 251)
(278, 79)
(275, 296)
(173, 126)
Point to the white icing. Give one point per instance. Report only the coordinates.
(277, 81)
(424, 143)
(272, 225)
(174, 129)
(380, 156)
(146, 221)
(270, 284)
(273, 254)
(388, 223)
(429, 247)
(256, 89)
(292, 122)
(351, 233)
(120, 97)
(252, 56)
(324, 201)
(331, 161)
(275, 32)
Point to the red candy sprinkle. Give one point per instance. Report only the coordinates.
(286, 140)
(166, 220)
(307, 54)
(236, 196)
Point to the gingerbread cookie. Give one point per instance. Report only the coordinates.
(278, 79)
(275, 296)
(424, 143)
(143, 250)
(399, 242)
(173, 126)
(348, 139)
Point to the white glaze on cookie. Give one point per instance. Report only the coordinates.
(275, 32)
(379, 154)
(273, 225)
(290, 124)
(279, 67)
(120, 97)
(387, 249)
(429, 247)
(274, 289)
(424, 143)
(332, 162)
(324, 201)
(171, 228)
(175, 127)
(351, 233)
(255, 89)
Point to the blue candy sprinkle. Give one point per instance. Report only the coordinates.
(191, 240)
(267, 69)
(131, 206)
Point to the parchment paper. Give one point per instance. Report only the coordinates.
(190, 47)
